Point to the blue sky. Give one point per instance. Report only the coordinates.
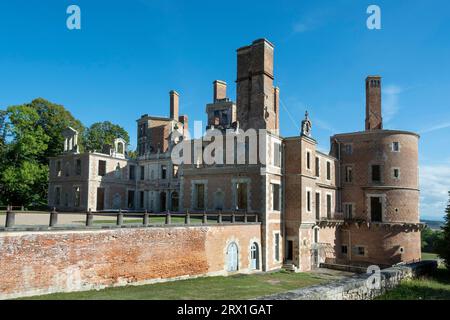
(130, 54)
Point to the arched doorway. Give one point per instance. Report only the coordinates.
(254, 256)
(232, 257)
(162, 202)
(175, 201)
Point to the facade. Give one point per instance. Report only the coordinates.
(356, 205)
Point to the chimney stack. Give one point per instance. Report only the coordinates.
(374, 120)
(174, 105)
(220, 90)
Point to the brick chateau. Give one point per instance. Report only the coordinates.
(357, 204)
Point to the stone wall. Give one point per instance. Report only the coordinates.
(34, 263)
(356, 287)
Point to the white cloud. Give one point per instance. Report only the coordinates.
(440, 126)
(434, 187)
(391, 99)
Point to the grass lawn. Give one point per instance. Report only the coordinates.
(429, 256)
(207, 288)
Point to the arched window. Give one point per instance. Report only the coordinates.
(232, 257)
(254, 256)
(120, 148)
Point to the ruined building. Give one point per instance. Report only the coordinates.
(358, 204)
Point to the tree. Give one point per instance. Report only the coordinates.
(103, 133)
(444, 247)
(54, 118)
(29, 134)
(22, 176)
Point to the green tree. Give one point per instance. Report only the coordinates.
(103, 133)
(23, 178)
(444, 246)
(54, 118)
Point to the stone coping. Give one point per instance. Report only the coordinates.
(113, 226)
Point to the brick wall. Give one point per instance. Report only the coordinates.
(44, 262)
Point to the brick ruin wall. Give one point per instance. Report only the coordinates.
(35, 263)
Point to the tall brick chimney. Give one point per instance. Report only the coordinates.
(220, 90)
(174, 104)
(374, 119)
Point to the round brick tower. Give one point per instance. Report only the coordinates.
(379, 190)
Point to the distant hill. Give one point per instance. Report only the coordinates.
(433, 225)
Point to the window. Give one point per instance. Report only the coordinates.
(200, 194)
(316, 235)
(242, 193)
(344, 249)
(396, 173)
(277, 246)
(77, 195)
(277, 154)
(376, 209)
(132, 173)
(308, 201)
(130, 199)
(57, 196)
(317, 167)
(66, 199)
(348, 174)
(175, 171)
(78, 167)
(328, 170)
(67, 170)
(395, 146)
(232, 257)
(101, 168)
(141, 199)
(163, 172)
(276, 197)
(329, 206)
(58, 168)
(254, 256)
(308, 160)
(376, 173)
(360, 251)
(348, 210)
(348, 149)
(142, 172)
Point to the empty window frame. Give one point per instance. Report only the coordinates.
(101, 168)
(276, 197)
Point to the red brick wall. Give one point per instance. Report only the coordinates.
(45, 262)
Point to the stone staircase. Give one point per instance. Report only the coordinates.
(290, 267)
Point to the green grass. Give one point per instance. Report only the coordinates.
(207, 288)
(429, 256)
(433, 287)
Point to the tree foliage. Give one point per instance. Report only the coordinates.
(431, 240)
(103, 133)
(30, 134)
(444, 246)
